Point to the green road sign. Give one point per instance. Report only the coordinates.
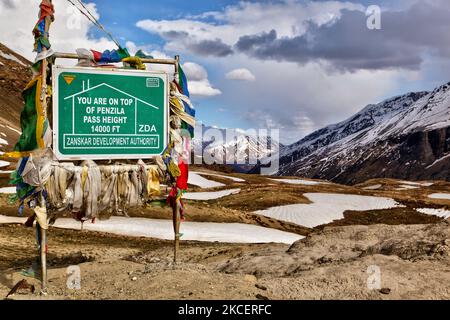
(109, 114)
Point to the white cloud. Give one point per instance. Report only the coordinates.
(203, 89)
(296, 99)
(240, 74)
(199, 84)
(300, 99)
(287, 18)
(69, 31)
(194, 71)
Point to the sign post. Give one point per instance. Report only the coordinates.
(109, 114)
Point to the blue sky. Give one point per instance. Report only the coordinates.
(294, 65)
(122, 23)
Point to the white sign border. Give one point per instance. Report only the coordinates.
(57, 70)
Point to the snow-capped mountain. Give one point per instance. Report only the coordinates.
(235, 147)
(405, 137)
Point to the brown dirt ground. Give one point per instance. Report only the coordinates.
(329, 264)
(117, 267)
(109, 263)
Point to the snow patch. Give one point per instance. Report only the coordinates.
(443, 196)
(326, 208)
(163, 229)
(420, 184)
(221, 176)
(3, 141)
(197, 180)
(442, 213)
(12, 58)
(374, 187)
(10, 220)
(299, 181)
(404, 187)
(210, 195)
(437, 161)
(8, 190)
(4, 163)
(13, 129)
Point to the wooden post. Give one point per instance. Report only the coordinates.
(176, 208)
(177, 61)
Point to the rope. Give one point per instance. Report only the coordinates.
(94, 21)
(89, 17)
(87, 10)
(99, 24)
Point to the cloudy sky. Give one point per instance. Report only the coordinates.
(294, 65)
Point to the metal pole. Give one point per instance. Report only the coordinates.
(176, 226)
(43, 250)
(44, 259)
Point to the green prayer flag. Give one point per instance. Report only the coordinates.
(28, 120)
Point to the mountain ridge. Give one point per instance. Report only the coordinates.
(401, 137)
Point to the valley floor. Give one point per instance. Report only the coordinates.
(414, 262)
(384, 239)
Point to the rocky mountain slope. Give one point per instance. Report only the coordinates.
(14, 76)
(406, 137)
